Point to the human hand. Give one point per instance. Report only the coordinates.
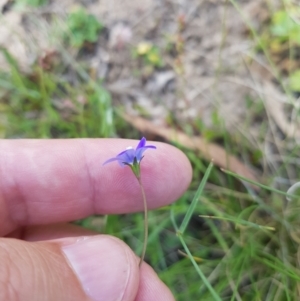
(46, 183)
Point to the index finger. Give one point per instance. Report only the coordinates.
(49, 181)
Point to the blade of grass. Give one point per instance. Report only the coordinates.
(195, 200)
(202, 276)
(258, 184)
(197, 268)
(278, 266)
(239, 221)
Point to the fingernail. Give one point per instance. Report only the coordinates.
(101, 265)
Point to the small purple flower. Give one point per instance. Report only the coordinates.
(132, 157)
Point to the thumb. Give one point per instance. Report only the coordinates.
(85, 268)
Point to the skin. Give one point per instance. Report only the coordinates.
(46, 183)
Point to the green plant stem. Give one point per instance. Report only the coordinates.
(145, 222)
(196, 266)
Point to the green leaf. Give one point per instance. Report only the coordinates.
(195, 200)
(83, 27)
(294, 81)
(285, 27)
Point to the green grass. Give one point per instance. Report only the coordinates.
(223, 239)
(43, 105)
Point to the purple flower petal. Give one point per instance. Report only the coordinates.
(110, 160)
(139, 152)
(150, 146)
(130, 155)
(127, 156)
(142, 143)
(127, 149)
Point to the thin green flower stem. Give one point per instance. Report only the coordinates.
(145, 222)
